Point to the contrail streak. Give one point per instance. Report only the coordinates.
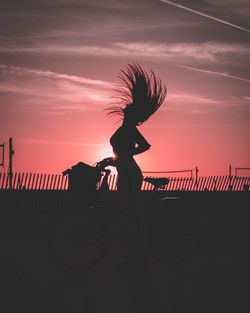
(223, 74)
(205, 15)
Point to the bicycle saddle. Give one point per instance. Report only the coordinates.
(157, 182)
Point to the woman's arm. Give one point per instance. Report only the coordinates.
(142, 144)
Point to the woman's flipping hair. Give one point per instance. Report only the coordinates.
(140, 93)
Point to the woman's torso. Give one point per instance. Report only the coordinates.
(123, 142)
(130, 176)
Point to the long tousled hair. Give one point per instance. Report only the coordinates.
(140, 92)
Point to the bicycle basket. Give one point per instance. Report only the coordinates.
(83, 178)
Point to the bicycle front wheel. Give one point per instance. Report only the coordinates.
(78, 240)
(173, 236)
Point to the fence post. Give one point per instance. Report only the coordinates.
(2, 161)
(230, 178)
(11, 152)
(196, 177)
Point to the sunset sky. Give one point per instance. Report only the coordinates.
(59, 61)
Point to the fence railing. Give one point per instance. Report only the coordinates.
(35, 181)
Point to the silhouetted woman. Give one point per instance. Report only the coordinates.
(139, 96)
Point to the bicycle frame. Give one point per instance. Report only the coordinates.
(170, 238)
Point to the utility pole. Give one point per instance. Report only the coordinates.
(11, 153)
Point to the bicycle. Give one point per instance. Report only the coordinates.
(83, 236)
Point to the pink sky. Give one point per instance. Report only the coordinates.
(59, 64)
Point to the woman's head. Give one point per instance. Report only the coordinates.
(140, 94)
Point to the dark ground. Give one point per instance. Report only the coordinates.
(213, 280)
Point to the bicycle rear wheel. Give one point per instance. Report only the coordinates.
(78, 240)
(172, 236)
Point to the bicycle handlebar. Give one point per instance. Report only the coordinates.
(105, 162)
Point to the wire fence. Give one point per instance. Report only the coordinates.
(35, 181)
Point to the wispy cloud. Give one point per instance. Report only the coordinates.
(211, 51)
(115, 28)
(54, 93)
(184, 99)
(193, 103)
(109, 4)
(204, 15)
(198, 104)
(222, 74)
(23, 71)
